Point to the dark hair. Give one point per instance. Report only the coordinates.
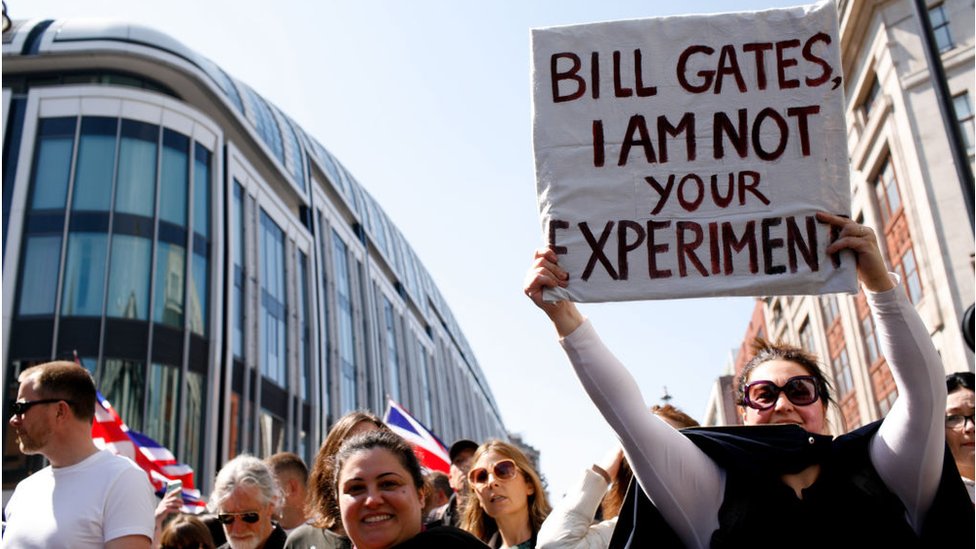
(765, 351)
(287, 461)
(440, 482)
(614, 499)
(321, 502)
(64, 380)
(959, 380)
(383, 440)
(186, 532)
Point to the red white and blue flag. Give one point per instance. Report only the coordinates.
(429, 449)
(110, 432)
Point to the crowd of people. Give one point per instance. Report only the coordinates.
(670, 483)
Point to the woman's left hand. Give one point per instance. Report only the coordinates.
(871, 268)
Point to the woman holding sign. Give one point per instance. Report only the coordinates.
(785, 478)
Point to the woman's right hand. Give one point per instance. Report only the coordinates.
(546, 273)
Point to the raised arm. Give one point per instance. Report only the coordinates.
(685, 485)
(908, 449)
(570, 523)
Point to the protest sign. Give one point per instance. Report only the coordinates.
(686, 156)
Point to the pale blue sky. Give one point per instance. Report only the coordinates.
(428, 104)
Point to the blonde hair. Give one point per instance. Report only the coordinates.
(476, 521)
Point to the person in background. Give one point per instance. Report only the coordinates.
(785, 474)
(959, 426)
(186, 532)
(86, 497)
(292, 476)
(246, 499)
(570, 525)
(507, 504)
(380, 489)
(325, 529)
(460, 455)
(438, 494)
(168, 507)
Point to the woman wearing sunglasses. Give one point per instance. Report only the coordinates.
(784, 478)
(507, 503)
(380, 490)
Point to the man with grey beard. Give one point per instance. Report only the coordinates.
(245, 498)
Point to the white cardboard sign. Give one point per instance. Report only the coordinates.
(686, 156)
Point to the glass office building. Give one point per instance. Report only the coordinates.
(230, 285)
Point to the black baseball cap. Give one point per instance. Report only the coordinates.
(460, 446)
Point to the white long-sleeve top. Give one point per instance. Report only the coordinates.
(688, 487)
(570, 525)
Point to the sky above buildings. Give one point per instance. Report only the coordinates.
(428, 104)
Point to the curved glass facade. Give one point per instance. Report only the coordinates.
(231, 288)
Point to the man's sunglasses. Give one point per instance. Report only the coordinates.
(20, 408)
(229, 518)
(502, 470)
(763, 394)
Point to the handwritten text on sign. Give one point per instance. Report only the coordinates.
(686, 156)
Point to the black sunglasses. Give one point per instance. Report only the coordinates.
(958, 420)
(763, 394)
(20, 408)
(229, 518)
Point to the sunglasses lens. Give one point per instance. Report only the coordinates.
(801, 391)
(505, 470)
(762, 395)
(479, 476)
(18, 408)
(229, 518)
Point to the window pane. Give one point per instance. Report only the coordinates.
(38, 283)
(96, 164)
(123, 384)
(84, 275)
(913, 282)
(199, 295)
(192, 449)
(201, 191)
(128, 286)
(964, 117)
(53, 163)
(272, 433)
(163, 392)
(303, 328)
(392, 355)
(135, 187)
(273, 302)
(237, 230)
(170, 275)
(347, 353)
(174, 178)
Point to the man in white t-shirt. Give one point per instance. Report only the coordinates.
(86, 497)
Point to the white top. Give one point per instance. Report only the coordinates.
(570, 525)
(688, 487)
(102, 498)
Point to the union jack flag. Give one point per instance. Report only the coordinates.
(429, 449)
(110, 432)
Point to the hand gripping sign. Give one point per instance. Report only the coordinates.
(687, 156)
